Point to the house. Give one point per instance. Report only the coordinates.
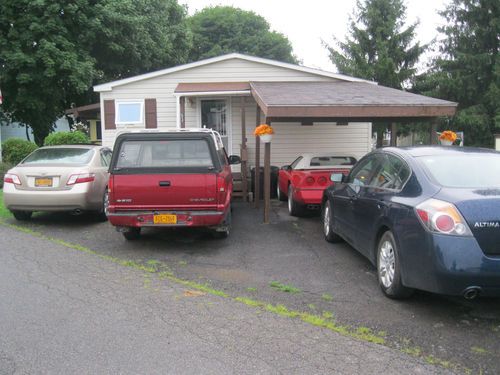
(310, 110)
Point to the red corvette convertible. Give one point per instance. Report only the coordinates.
(303, 181)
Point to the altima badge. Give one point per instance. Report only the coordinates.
(487, 224)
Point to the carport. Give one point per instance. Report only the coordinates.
(339, 102)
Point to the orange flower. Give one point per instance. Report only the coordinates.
(263, 129)
(448, 135)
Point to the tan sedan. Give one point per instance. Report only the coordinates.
(59, 178)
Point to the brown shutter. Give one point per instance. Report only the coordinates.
(109, 114)
(150, 113)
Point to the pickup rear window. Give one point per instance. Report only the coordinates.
(165, 153)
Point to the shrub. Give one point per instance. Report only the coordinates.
(66, 138)
(16, 149)
(4, 167)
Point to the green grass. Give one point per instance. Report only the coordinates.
(327, 297)
(3, 211)
(284, 288)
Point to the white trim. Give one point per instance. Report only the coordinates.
(213, 93)
(109, 86)
(178, 112)
(134, 101)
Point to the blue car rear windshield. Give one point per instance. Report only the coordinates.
(464, 170)
(60, 155)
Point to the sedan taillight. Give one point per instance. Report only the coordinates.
(80, 178)
(442, 217)
(12, 179)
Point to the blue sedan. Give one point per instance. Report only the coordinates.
(427, 217)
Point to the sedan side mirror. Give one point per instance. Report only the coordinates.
(234, 159)
(337, 177)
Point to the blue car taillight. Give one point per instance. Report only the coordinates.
(442, 217)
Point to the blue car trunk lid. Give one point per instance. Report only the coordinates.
(481, 209)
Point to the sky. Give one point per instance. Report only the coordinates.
(307, 23)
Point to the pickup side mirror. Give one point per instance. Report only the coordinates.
(234, 159)
(337, 177)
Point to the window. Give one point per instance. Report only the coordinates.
(105, 158)
(363, 173)
(130, 112)
(295, 162)
(163, 153)
(60, 156)
(331, 161)
(392, 175)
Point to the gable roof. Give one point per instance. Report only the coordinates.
(109, 86)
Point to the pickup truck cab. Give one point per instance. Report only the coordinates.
(170, 179)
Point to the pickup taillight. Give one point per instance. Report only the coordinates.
(221, 190)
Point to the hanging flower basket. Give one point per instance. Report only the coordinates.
(265, 132)
(447, 138)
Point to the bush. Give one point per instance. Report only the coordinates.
(66, 138)
(16, 149)
(4, 167)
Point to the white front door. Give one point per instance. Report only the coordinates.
(216, 114)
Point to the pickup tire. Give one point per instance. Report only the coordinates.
(227, 223)
(132, 234)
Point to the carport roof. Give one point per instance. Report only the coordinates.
(348, 100)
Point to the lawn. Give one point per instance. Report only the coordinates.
(3, 211)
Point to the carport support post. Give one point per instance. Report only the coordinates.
(394, 134)
(256, 189)
(267, 181)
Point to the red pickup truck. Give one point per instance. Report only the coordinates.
(170, 179)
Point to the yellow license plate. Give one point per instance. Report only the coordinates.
(165, 219)
(43, 182)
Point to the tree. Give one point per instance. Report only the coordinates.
(468, 69)
(51, 53)
(224, 29)
(379, 47)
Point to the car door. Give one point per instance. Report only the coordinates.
(346, 195)
(375, 199)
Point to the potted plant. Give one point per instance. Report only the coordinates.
(265, 132)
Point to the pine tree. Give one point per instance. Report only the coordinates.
(378, 46)
(468, 69)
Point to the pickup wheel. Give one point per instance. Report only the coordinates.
(294, 208)
(133, 233)
(281, 196)
(327, 218)
(227, 224)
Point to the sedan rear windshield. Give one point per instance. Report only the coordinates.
(164, 153)
(60, 156)
(331, 161)
(464, 170)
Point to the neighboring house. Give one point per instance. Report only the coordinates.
(16, 130)
(310, 110)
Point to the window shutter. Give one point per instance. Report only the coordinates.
(109, 114)
(150, 113)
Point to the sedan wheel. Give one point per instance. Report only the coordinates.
(102, 213)
(327, 218)
(22, 215)
(389, 269)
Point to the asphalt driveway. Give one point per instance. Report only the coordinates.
(287, 262)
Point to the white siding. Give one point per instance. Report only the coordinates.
(162, 88)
